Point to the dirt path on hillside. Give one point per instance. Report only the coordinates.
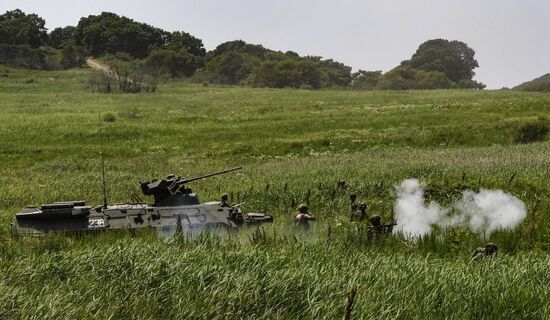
(96, 65)
(100, 66)
(125, 80)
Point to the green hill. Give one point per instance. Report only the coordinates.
(541, 83)
(131, 46)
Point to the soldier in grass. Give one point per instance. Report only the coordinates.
(353, 206)
(480, 253)
(376, 223)
(303, 217)
(358, 212)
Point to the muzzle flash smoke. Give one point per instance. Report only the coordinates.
(483, 211)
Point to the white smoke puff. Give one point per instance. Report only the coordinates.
(414, 217)
(484, 211)
(491, 210)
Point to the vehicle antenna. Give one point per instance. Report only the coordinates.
(102, 163)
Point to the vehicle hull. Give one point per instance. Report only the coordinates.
(79, 219)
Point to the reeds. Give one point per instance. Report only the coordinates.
(118, 277)
(295, 145)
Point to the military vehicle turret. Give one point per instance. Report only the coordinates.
(175, 209)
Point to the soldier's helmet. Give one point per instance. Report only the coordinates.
(341, 184)
(490, 248)
(376, 220)
(302, 208)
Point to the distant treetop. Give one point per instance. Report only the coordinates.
(24, 42)
(18, 28)
(436, 64)
(238, 62)
(454, 58)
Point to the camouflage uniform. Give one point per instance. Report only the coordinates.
(223, 201)
(376, 222)
(483, 252)
(358, 212)
(303, 216)
(352, 197)
(353, 206)
(342, 184)
(375, 228)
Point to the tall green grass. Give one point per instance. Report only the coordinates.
(295, 145)
(209, 278)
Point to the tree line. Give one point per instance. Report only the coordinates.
(125, 43)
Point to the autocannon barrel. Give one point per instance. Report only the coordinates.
(170, 186)
(184, 181)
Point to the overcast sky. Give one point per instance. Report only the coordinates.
(511, 37)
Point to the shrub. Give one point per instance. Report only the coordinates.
(72, 57)
(365, 80)
(400, 78)
(406, 78)
(100, 82)
(109, 117)
(21, 56)
(286, 74)
(175, 62)
(532, 131)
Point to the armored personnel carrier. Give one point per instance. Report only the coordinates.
(176, 208)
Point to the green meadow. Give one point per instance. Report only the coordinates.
(294, 146)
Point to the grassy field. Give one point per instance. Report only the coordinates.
(295, 145)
